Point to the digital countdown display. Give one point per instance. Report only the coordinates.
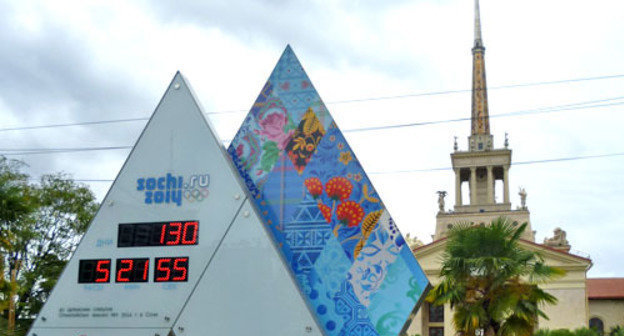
(130, 270)
(158, 234)
(94, 271)
(171, 269)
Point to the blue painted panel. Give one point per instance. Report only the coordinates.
(342, 246)
(405, 288)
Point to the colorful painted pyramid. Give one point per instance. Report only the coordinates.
(349, 258)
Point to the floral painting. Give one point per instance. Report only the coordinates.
(340, 243)
(305, 140)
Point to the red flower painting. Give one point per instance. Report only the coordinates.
(350, 213)
(338, 188)
(326, 211)
(315, 186)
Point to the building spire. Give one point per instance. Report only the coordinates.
(477, 28)
(480, 132)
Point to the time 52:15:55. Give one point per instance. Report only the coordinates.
(168, 269)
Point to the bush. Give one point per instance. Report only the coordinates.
(586, 332)
(616, 331)
(562, 332)
(568, 332)
(542, 332)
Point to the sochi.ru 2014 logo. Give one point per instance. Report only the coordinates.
(173, 189)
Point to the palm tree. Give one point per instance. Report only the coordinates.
(491, 282)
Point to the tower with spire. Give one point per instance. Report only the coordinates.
(481, 167)
(481, 196)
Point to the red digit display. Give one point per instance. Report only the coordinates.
(171, 269)
(124, 268)
(158, 234)
(189, 236)
(180, 267)
(162, 273)
(174, 234)
(163, 234)
(102, 271)
(94, 271)
(132, 270)
(145, 270)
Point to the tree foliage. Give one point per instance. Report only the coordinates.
(616, 331)
(491, 282)
(40, 226)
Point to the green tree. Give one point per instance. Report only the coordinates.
(491, 282)
(15, 207)
(40, 225)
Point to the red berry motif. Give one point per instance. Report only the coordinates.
(314, 185)
(338, 188)
(326, 211)
(350, 212)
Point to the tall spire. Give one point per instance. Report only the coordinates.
(477, 28)
(480, 138)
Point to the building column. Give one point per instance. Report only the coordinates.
(458, 193)
(473, 185)
(490, 185)
(506, 184)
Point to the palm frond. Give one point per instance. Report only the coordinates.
(484, 272)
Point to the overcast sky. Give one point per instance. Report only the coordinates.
(76, 61)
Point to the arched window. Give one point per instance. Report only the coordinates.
(597, 324)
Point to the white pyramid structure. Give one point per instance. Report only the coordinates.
(176, 246)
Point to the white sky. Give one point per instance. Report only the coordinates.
(73, 61)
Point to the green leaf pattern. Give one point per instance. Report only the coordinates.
(270, 154)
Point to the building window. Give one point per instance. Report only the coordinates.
(436, 313)
(436, 331)
(597, 324)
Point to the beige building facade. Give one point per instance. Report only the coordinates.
(606, 303)
(606, 314)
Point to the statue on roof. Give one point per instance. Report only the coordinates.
(523, 196)
(558, 240)
(441, 195)
(413, 242)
